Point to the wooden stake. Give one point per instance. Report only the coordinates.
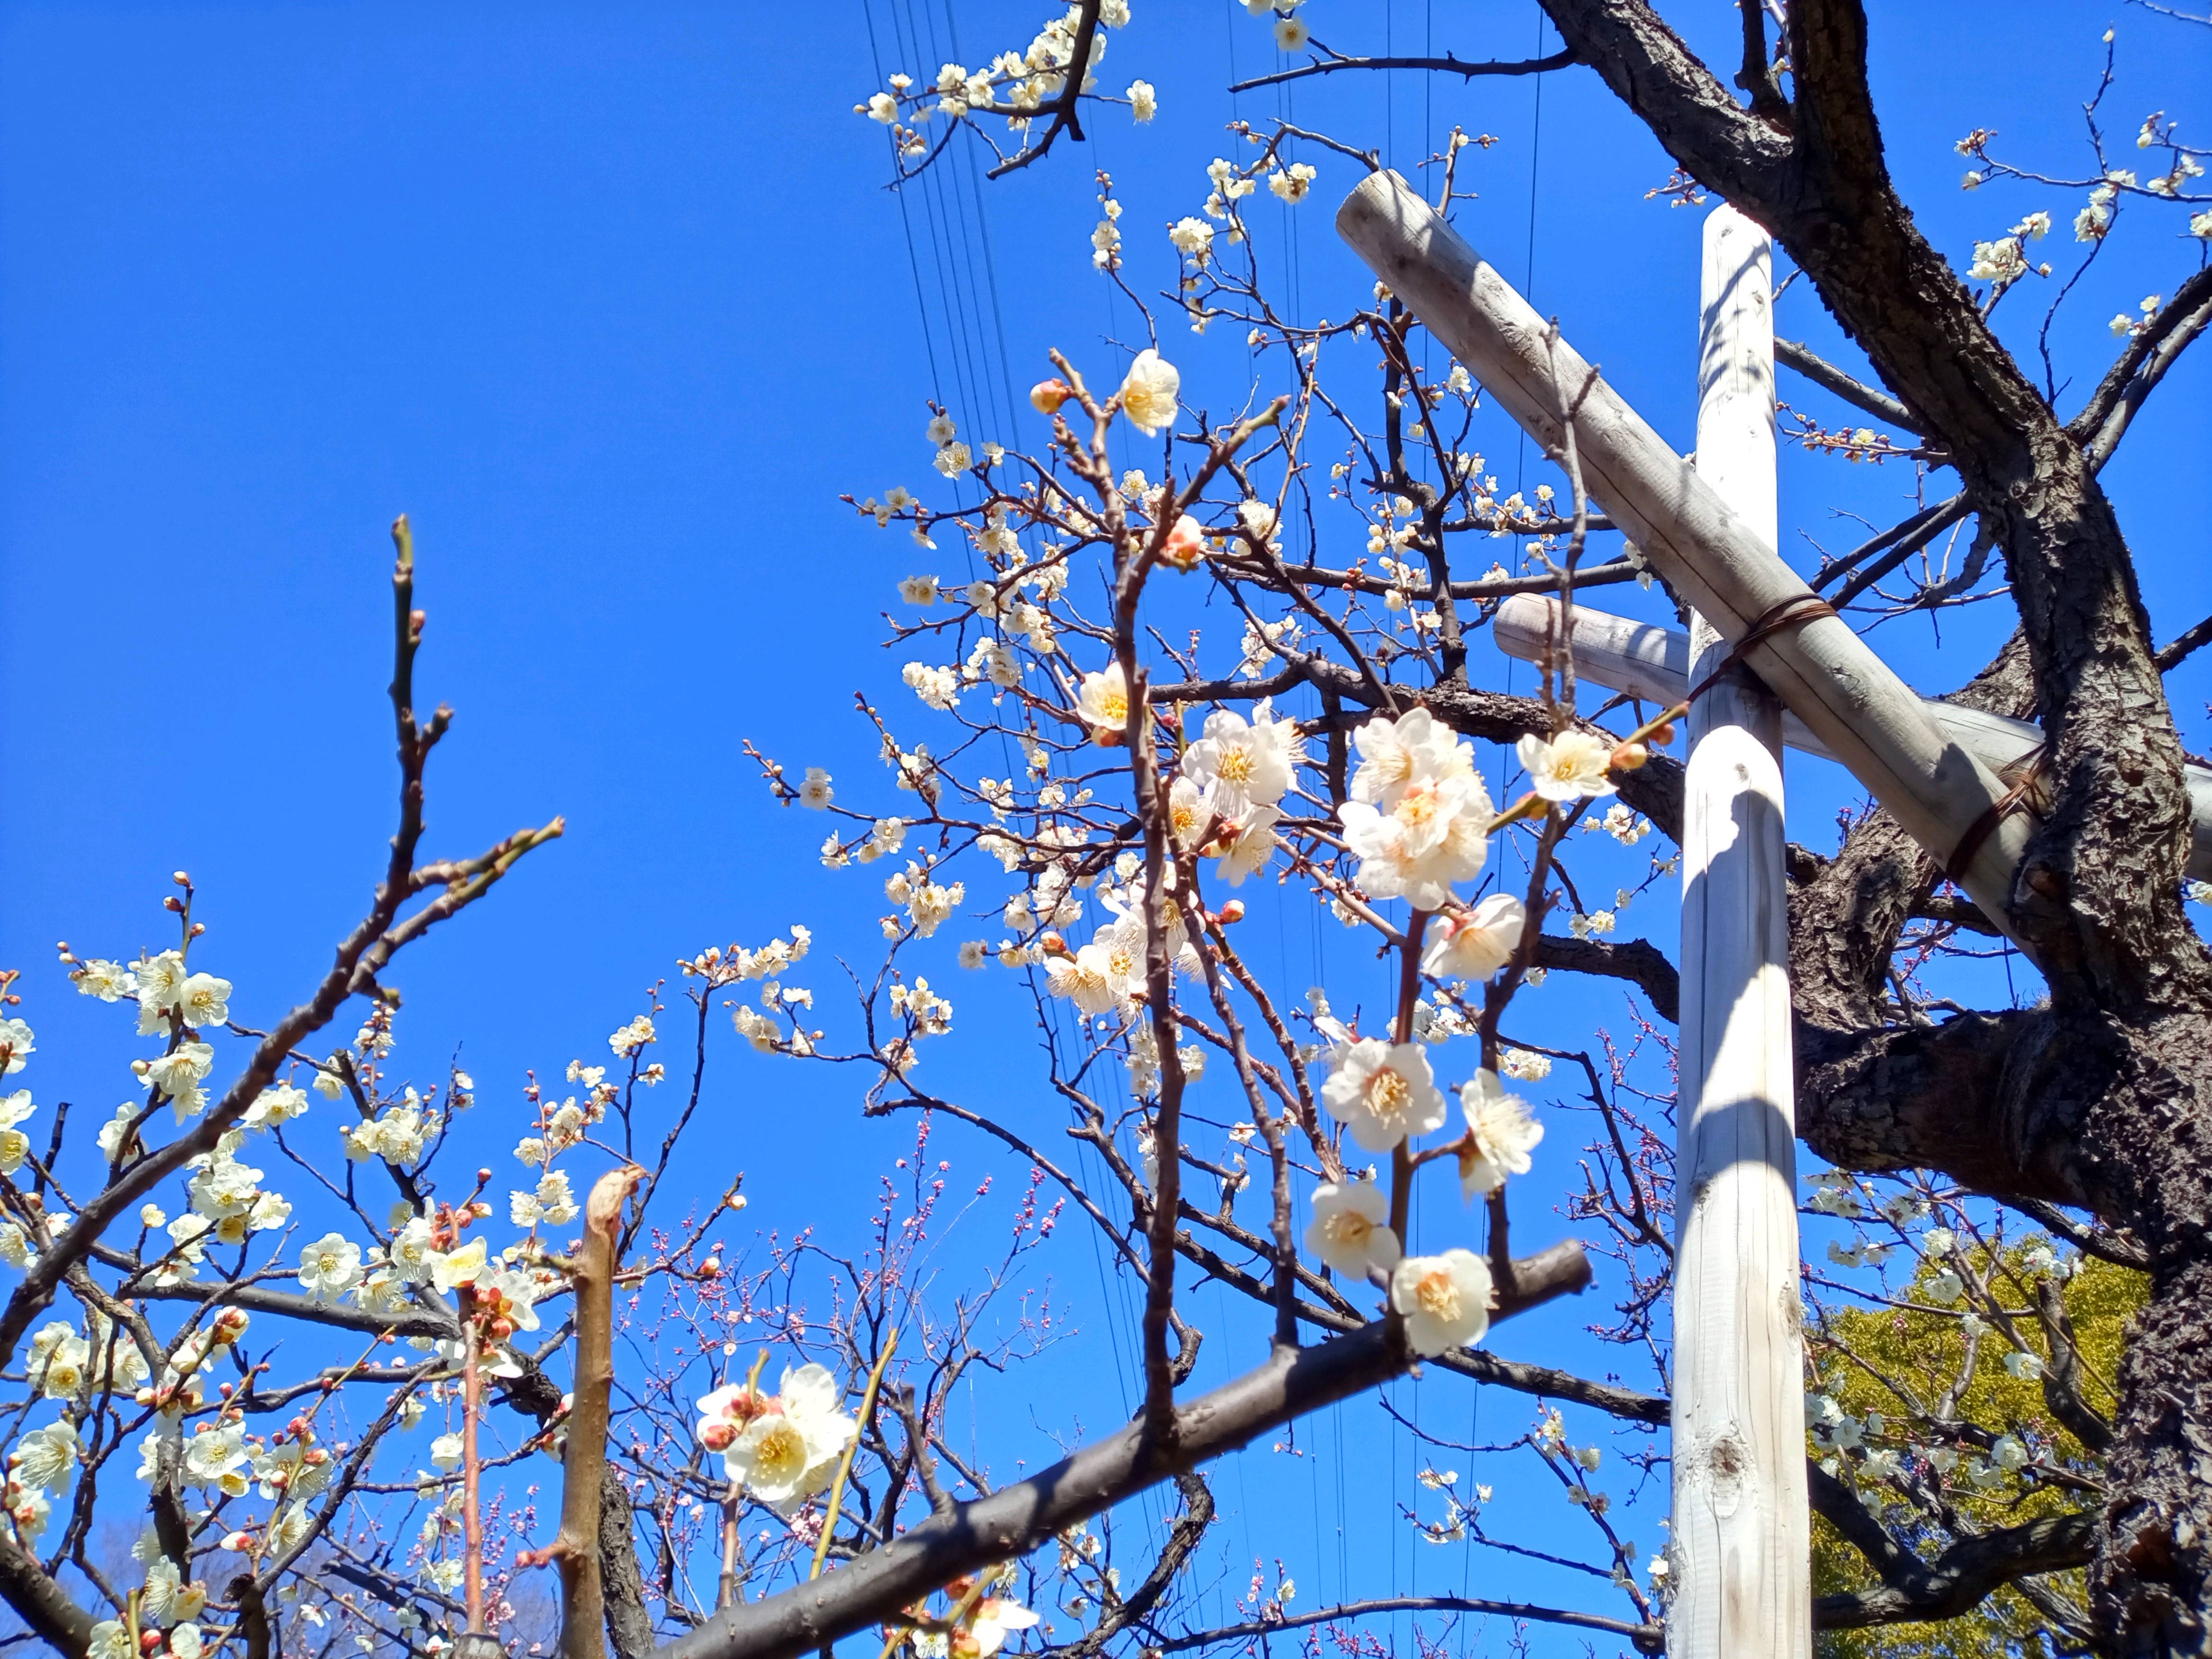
(1653, 662)
(1740, 1554)
(1867, 718)
(575, 1550)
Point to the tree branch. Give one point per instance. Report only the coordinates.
(1066, 117)
(1638, 961)
(41, 1603)
(2104, 418)
(1960, 1579)
(1855, 393)
(360, 958)
(2182, 646)
(1466, 69)
(583, 1469)
(1646, 1638)
(1014, 1520)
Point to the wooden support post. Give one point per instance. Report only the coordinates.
(1741, 1552)
(1653, 662)
(1868, 719)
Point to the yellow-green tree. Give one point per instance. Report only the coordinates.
(1927, 1411)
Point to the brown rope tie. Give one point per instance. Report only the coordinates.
(2027, 780)
(1801, 608)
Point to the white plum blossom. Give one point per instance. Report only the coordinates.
(553, 1201)
(1419, 815)
(1571, 766)
(329, 1266)
(1144, 102)
(1149, 392)
(995, 1619)
(203, 1000)
(1524, 1066)
(45, 1459)
(1475, 944)
(177, 1074)
(160, 981)
(15, 1145)
(1247, 844)
(1444, 1299)
(1243, 763)
(450, 1269)
(1501, 1132)
(1350, 1232)
(1104, 700)
(815, 792)
(110, 982)
(1096, 978)
(218, 1460)
(1193, 237)
(278, 1104)
(1394, 755)
(788, 1453)
(1384, 1092)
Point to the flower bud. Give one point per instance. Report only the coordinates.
(1664, 735)
(1185, 547)
(1629, 755)
(1053, 945)
(1232, 912)
(718, 1436)
(1047, 396)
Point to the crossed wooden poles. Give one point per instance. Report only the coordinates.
(1738, 1549)
(1653, 662)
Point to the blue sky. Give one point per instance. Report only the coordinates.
(612, 302)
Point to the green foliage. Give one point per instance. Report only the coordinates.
(1897, 1372)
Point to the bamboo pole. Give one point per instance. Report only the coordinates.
(1741, 1550)
(1653, 662)
(1867, 718)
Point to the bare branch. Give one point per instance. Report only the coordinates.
(1466, 69)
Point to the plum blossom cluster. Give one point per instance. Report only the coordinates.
(781, 1448)
(1015, 85)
